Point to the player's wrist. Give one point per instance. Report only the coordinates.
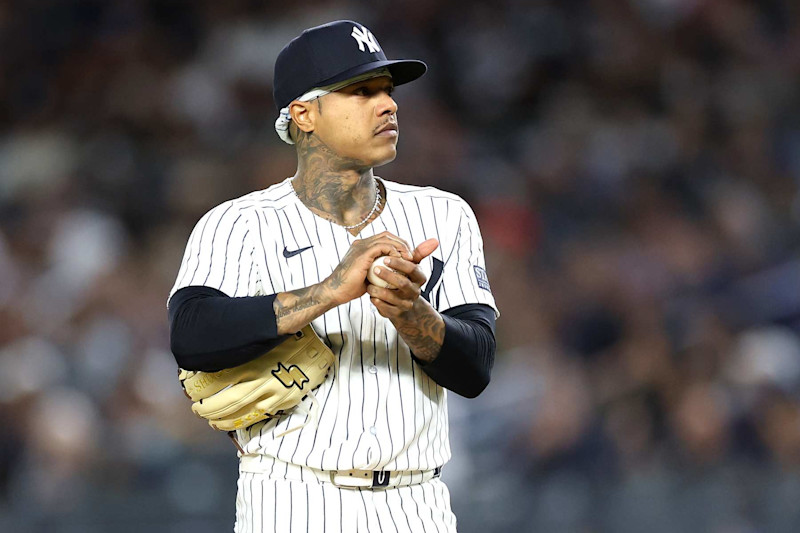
(325, 298)
(329, 295)
(422, 329)
(421, 311)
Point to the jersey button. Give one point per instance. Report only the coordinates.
(373, 430)
(373, 369)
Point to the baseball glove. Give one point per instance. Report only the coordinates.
(265, 387)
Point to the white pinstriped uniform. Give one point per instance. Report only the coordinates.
(378, 409)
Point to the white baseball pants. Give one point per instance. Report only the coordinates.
(268, 505)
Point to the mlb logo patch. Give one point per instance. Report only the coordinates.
(482, 278)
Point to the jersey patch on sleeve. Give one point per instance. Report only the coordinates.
(482, 278)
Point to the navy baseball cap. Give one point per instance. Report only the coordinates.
(327, 54)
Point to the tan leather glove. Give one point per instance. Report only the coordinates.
(265, 387)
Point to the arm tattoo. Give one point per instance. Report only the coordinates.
(283, 310)
(295, 309)
(424, 335)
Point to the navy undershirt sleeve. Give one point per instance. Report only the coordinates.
(210, 331)
(465, 361)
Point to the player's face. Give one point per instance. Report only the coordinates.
(359, 122)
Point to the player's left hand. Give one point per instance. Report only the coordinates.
(399, 302)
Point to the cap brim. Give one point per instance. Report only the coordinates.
(403, 71)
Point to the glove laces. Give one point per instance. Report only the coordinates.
(312, 415)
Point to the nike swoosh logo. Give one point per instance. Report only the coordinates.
(287, 254)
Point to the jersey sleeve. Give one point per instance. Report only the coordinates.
(219, 254)
(464, 277)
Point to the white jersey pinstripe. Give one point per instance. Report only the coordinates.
(379, 410)
(291, 506)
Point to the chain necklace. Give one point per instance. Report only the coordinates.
(369, 215)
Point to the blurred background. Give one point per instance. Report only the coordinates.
(634, 166)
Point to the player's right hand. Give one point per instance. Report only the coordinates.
(348, 280)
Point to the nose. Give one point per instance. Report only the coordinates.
(387, 105)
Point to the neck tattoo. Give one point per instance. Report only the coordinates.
(374, 208)
(366, 218)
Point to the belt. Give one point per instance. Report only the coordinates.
(378, 479)
(350, 479)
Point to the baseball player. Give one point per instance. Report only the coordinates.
(364, 451)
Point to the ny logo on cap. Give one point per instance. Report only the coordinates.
(364, 37)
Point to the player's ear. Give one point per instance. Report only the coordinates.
(302, 114)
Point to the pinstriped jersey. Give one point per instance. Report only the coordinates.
(378, 410)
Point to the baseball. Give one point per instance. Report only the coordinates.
(373, 278)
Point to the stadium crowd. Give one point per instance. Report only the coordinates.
(634, 166)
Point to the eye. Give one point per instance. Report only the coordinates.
(366, 90)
